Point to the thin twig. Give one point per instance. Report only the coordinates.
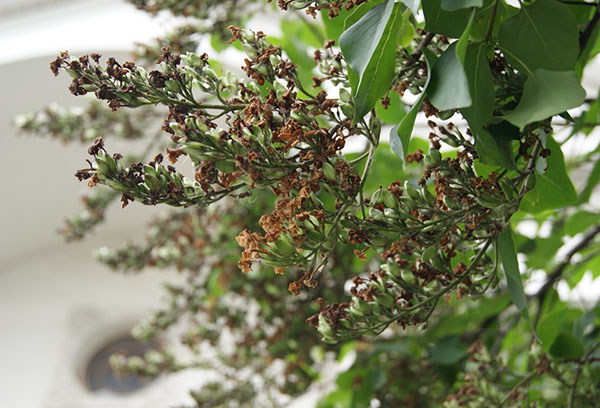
(585, 36)
(521, 383)
(424, 43)
(556, 274)
(578, 373)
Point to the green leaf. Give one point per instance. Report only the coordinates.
(407, 31)
(400, 134)
(394, 112)
(369, 47)
(553, 188)
(498, 10)
(582, 323)
(541, 35)
(591, 183)
(440, 21)
(452, 5)
(580, 221)
(546, 93)
(413, 5)
(481, 87)
(495, 151)
(567, 346)
(463, 41)
(448, 350)
(508, 256)
(358, 12)
(448, 87)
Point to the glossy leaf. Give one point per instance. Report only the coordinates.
(591, 182)
(495, 151)
(546, 93)
(508, 256)
(580, 221)
(413, 5)
(448, 351)
(448, 87)
(553, 188)
(357, 13)
(542, 35)
(395, 111)
(440, 21)
(369, 47)
(481, 87)
(407, 31)
(567, 346)
(400, 134)
(452, 5)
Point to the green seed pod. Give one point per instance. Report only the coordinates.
(248, 36)
(376, 214)
(451, 142)
(201, 126)
(297, 116)
(345, 95)
(115, 185)
(438, 262)
(427, 196)
(509, 192)
(329, 340)
(501, 211)
(172, 86)
(411, 191)
(152, 182)
(329, 171)
(389, 199)
(374, 308)
(408, 203)
(415, 90)
(89, 87)
(263, 70)
(249, 50)
(190, 122)
(435, 155)
(391, 213)
(407, 276)
(324, 68)
(375, 125)
(361, 305)
(377, 196)
(385, 300)
(430, 227)
(353, 311)
(429, 253)
(445, 115)
(347, 109)
(74, 74)
(429, 161)
(102, 166)
(345, 323)
(284, 246)
(377, 241)
(324, 327)
(445, 172)
(346, 223)
(450, 203)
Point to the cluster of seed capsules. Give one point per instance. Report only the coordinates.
(435, 240)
